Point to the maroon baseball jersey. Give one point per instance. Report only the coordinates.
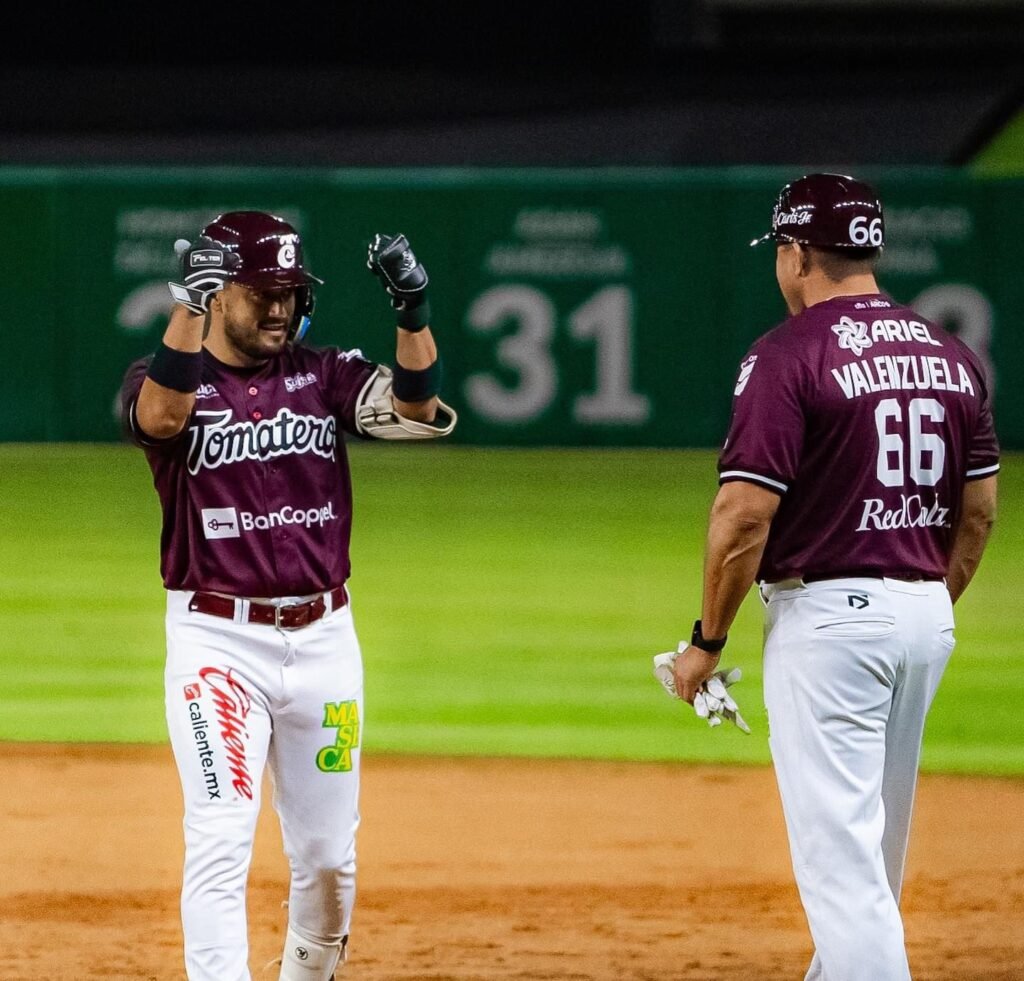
(867, 420)
(255, 491)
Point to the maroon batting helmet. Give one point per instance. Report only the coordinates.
(828, 210)
(266, 252)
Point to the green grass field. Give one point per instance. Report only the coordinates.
(508, 603)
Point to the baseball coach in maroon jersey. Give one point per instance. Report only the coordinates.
(858, 488)
(242, 426)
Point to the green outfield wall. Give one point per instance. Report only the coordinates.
(574, 307)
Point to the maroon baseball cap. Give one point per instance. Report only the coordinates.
(830, 210)
(266, 251)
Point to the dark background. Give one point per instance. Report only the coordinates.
(649, 82)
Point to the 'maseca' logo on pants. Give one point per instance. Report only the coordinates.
(343, 716)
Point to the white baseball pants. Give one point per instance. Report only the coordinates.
(240, 696)
(850, 670)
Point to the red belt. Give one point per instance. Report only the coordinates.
(287, 617)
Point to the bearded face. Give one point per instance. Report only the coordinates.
(255, 322)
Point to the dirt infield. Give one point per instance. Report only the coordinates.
(495, 869)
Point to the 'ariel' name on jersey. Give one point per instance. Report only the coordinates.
(215, 443)
(893, 373)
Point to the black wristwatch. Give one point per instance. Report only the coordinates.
(697, 639)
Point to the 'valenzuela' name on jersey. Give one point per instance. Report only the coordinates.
(902, 372)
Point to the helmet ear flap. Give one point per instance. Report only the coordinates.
(305, 301)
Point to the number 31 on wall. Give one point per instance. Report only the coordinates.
(606, 318)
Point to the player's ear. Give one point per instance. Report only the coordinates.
(803, 259)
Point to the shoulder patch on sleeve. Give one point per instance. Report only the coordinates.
(746, 368)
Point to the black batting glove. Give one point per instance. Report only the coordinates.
(205, 266)
(391, 260)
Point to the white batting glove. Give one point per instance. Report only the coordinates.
(713, 702)
(205, 267)
(663, 671)
(720, 704)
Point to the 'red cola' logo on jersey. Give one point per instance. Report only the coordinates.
(216, 443)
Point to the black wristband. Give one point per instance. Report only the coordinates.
(415, 318)
(416, 386)
(697, 639)
(179, 370)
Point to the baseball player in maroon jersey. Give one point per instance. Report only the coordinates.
(858, 487)
(242, 427)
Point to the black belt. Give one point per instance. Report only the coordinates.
(902, 576)
(287, 617)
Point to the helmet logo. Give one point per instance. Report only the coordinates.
(794, 218)
(206, 258)
(286, 254)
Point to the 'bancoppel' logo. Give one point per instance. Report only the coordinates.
(206, 258)
(221, 523)
(853, 335)
(231, 523)
(286, 254)
(307, 517)
(745, 371)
